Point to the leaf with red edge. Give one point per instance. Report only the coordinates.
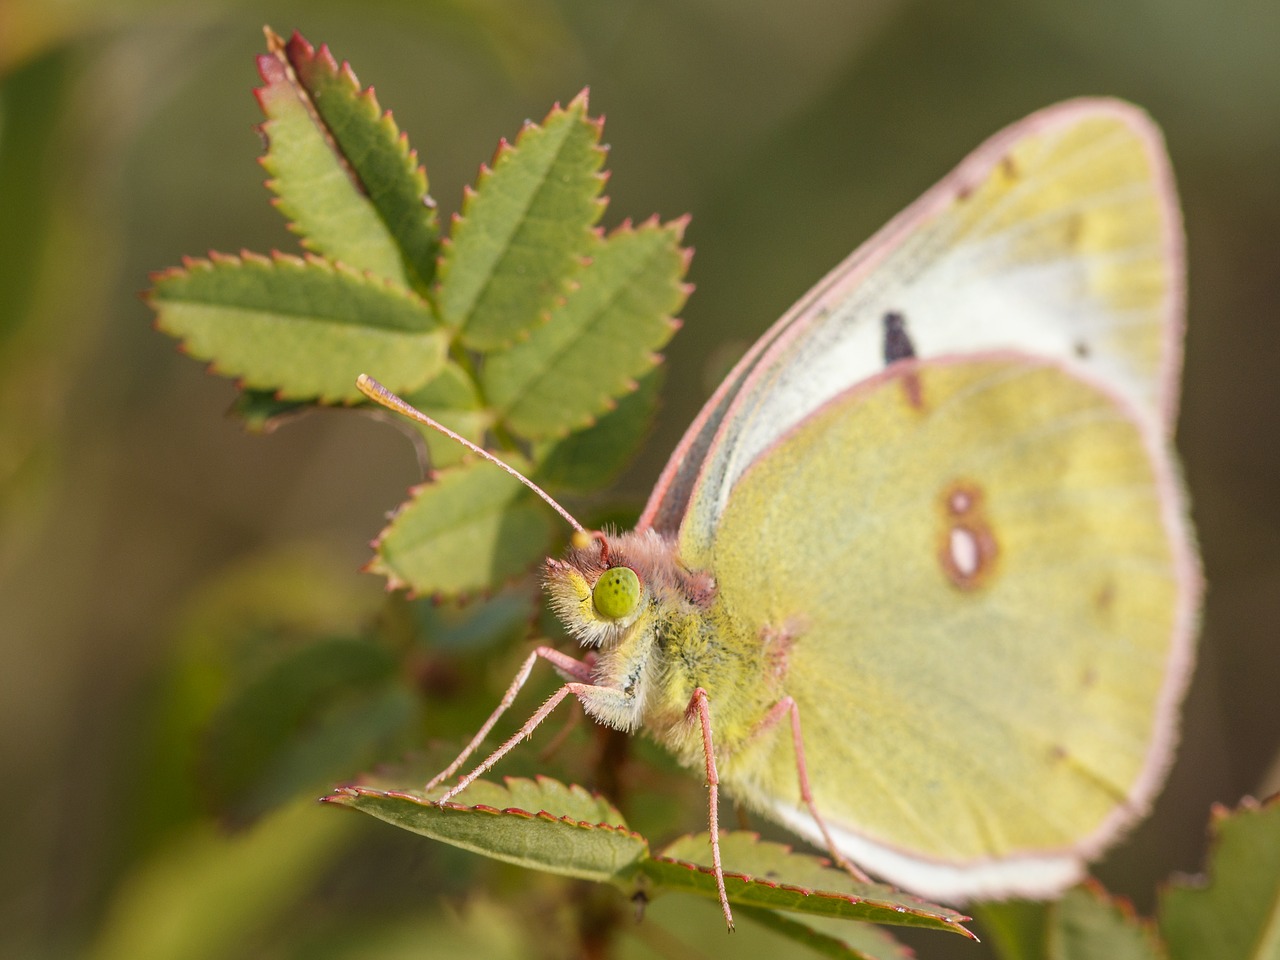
(342, 172)
(599, 340)
(303, 328)
(540, 824)
(524, 229)
(1234, 914)
(774, 877)
(468, 529)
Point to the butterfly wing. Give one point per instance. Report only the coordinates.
(1059, 236)
(977, 561)
(979, 584)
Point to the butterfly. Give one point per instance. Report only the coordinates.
(919, 581)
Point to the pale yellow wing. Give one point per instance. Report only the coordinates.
(1058, 237)
(981, 576)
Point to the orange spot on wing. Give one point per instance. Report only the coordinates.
(967, 551)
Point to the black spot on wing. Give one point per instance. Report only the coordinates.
(897, 342)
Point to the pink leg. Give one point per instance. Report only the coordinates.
(787, 705)
(701, 704)
(566, 665)
(579, 689)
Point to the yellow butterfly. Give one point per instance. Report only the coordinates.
(919, 581)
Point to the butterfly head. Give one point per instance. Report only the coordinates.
(605, 584)
(597, 590)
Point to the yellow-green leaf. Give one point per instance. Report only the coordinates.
(465, 531)
(344, 175)
(1233, 913)
(524, 229)
(302, 328)
(604, 335)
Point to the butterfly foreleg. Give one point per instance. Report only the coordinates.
(564, 664)
(700, 706)
(788, 707)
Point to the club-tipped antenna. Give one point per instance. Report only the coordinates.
(376, 392)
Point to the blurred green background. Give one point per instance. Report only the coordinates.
(148, 545)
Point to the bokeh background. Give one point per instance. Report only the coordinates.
(142, 533)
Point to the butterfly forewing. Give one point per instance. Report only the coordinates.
(1059, 237)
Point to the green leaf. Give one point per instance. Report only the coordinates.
(303, 328)
(1235, 913)
(544, 825)
(452, 399)
(322, 713)
(470, 527)
(599, 340)
(1086, 924)
(343, 174)
(774, 877)
(588, 460)
(524, 229)
(541, 824)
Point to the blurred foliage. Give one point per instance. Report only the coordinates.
(157, 564)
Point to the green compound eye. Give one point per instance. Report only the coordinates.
(617, 593)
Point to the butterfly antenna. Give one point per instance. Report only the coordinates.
(376, 392)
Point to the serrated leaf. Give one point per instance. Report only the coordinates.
(542, 825)
(302, 328)
(452, 399)
(772, 876)
(587, 460)
(292, 726)
(341, 170)
(467, 530)
(1235, 914)
(598, 341)
(1086, 924)
(523, 230)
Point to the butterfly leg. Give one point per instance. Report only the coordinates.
(788, 706)
(701, 705)
(607, 704)
(567, 666)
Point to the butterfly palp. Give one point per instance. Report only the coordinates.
(617, 593)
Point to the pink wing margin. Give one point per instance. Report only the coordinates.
(670, 498)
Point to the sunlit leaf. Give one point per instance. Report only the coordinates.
(538, 824)
(343, 173)
(775, 877)
(599, 340)
(303, 328)
(524, 229)
(467, 529)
